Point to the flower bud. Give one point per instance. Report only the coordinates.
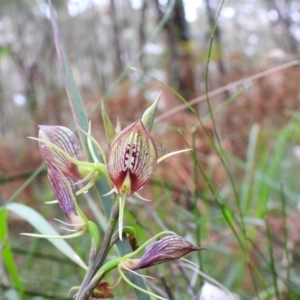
(165, 250)
(149, 115)
(108, 127)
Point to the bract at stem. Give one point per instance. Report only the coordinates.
(149, 114)
(108, 127)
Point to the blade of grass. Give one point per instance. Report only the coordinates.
(187, 104)
(224, 104)
(219, 150)
(248, 177)
(26, 183)
(267, 292)
(196, 210)
(226, 211)
(231, 220)
(272, 260)
(43, 226)
(7, 255)
(261, 176)
(286, 241)
(272, 167)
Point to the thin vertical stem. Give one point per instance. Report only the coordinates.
(83, 293)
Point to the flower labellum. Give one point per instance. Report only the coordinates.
(132, 159)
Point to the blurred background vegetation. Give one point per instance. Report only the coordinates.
(244, 211)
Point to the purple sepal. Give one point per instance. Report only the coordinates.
(65, 139)
(61, 191)
(165, 250)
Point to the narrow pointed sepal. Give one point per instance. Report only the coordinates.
(108, 127)
(56, 237)
(171, 154)
(149, 115)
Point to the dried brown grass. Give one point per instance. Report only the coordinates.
(265, 103)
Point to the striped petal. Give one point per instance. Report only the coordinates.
(65, 139)
(62, 192)
(132, 159)
(165, 250)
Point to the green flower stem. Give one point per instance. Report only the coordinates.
(136, 286)
(110, 265)
(84, 292)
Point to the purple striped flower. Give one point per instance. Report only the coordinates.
(61, 151)
(167, 249)
(132, 159)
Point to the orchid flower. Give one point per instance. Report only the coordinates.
(61, 152)
(132, 159)
(169, 248)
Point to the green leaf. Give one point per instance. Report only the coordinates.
(43, 226)
(7, 253)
